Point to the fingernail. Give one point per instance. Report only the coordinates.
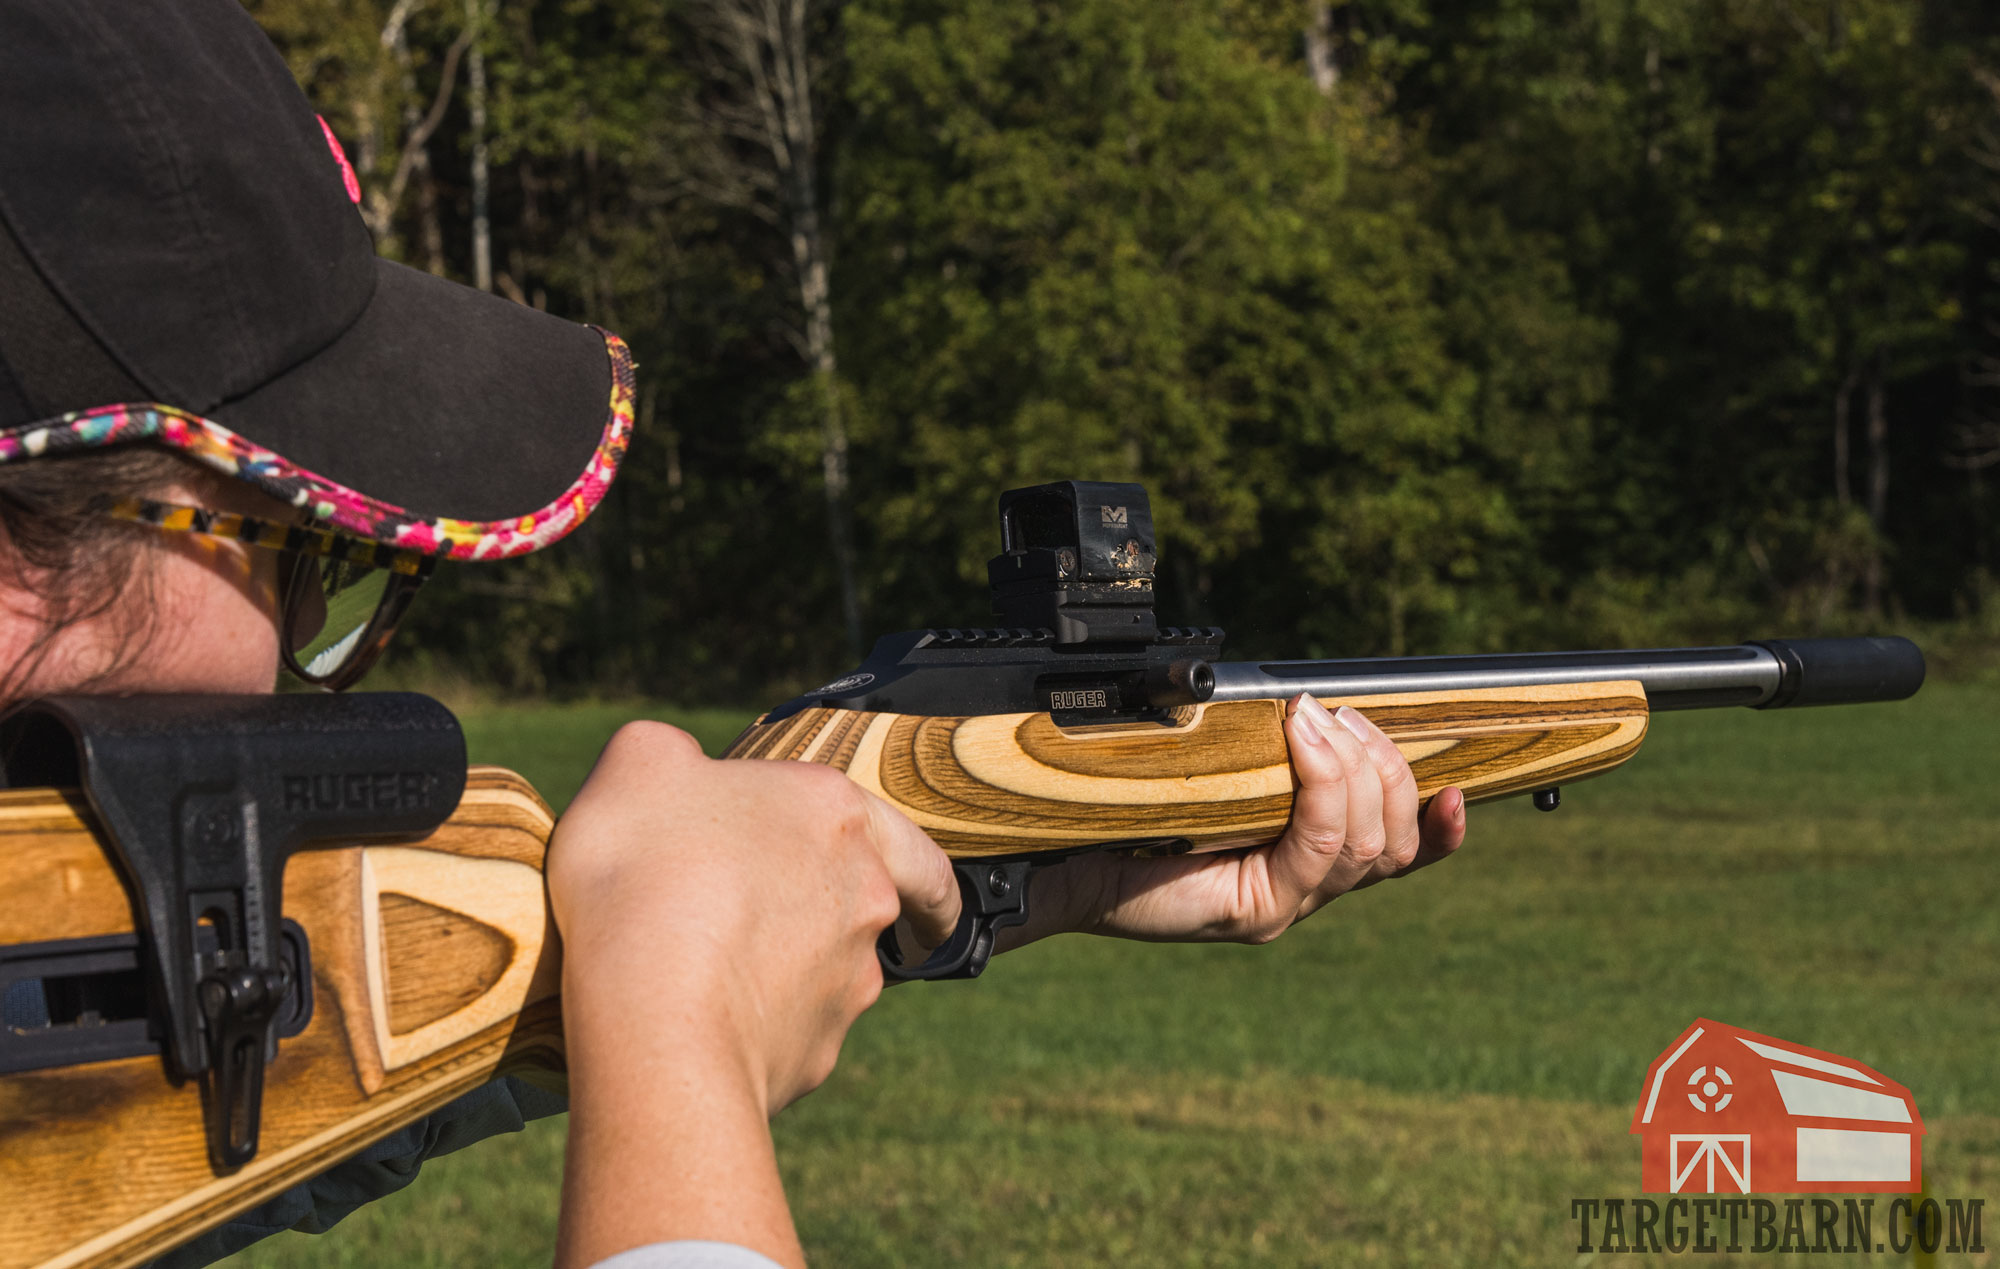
(1354, 722)
(1457, 805)
(1311, 729)
(1315, 717)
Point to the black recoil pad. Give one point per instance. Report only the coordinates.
(1844, 671)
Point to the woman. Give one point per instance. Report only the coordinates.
(318, 428)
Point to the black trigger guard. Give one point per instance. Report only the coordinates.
(994, 895)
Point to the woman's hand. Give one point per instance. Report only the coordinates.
(719, 923)
(1355, 822)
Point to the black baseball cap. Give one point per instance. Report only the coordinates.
(182, 262)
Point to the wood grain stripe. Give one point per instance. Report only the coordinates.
(848, 739)
(802, 737)
(1016, 783)
(416, 1000)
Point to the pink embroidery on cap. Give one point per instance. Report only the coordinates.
(347, 176)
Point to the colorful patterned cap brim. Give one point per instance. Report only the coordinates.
(336, 505)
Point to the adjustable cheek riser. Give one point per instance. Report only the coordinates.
(201, 800)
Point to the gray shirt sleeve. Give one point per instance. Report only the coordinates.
(688, 1254)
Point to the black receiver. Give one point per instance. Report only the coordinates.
(1074, 585)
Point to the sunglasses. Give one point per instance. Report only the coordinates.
(339, 597)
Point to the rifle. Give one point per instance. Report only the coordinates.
(243, 937)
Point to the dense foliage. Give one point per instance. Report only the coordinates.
(1431, 324)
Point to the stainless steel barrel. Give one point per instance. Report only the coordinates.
(1765, 675)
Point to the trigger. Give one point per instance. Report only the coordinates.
(993, 894)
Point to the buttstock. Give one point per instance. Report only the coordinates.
(435, 968)
(1218, 777)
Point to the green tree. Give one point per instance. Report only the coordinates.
(1128, 244)
(1762, 200)
(1432, 324)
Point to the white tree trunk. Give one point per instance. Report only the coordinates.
(767, 65)
(475, 84)
(1878, 488)
(1320, 63)
(382, 199)
(1842, 407)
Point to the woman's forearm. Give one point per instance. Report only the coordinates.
(668, 1138)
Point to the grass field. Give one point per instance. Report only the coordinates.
(1425, 1074)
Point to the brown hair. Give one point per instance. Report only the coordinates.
(56, 543)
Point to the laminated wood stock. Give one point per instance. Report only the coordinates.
(1217, 778)
(436, 968)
